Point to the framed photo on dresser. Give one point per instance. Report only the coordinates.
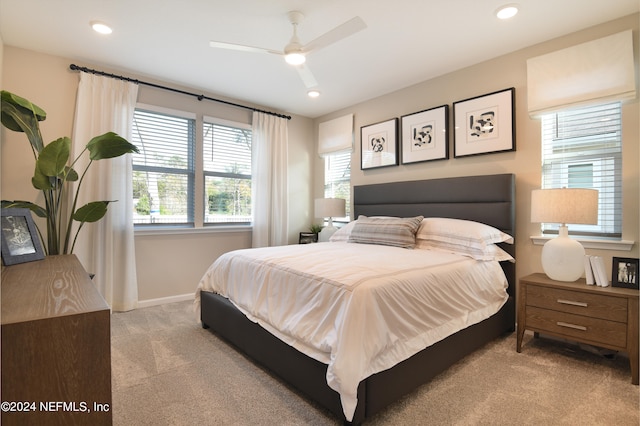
(20, 239)
(624, 272)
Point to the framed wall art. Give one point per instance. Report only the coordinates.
(379, 145)
(20, 240)
(624, 271)
(484, 124)
(425, 135)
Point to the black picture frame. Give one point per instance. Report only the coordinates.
(20, 240)
(484, 124)
(624, 272)
(379, 145)
(425, 135)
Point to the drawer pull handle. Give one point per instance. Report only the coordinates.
(573, 303)
(576, 327)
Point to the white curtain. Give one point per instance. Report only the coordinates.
(269, 180)
(106, 248)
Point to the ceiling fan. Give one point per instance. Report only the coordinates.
(295, 52)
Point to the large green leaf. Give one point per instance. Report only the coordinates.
(23, 104)
(18, 204)
(19, 119)
(109, 145)
(41, 181)
(91, 212)
(54, 157)
(71, 174)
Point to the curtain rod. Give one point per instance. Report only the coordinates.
(75, 67)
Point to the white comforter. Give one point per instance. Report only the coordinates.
(359, 308)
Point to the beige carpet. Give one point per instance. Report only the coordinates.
(167, 370)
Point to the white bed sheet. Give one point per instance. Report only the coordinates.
(358, 308)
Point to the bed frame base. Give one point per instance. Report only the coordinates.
(308, 376)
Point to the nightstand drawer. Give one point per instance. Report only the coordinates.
(574, 302)
(610, 333)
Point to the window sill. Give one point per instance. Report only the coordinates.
(177, 230)
(620, 245)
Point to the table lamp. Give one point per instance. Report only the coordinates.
(563, 257)
(329, 207)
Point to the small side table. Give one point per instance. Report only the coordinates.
(601, 316)
(307, 238)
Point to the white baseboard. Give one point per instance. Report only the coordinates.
(164, 300)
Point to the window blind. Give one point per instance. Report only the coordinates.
(582, 148)
(227, 172)
(335, 135)
(164, 167)
(600, 71)
(337, 180)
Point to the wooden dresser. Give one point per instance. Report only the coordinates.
(599, 316)
(56, 350)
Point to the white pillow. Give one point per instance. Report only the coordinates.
(388, 231)
(342, 234)
(464, 233)
(490, 252)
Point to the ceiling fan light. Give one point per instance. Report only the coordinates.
(295, 58)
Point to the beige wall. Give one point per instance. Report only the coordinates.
(171, 265)
(500, 73)
(168, 264)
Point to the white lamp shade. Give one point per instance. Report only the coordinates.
(563, 258)
(566, 205)
(330, 207)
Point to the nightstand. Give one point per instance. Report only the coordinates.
(601, 316)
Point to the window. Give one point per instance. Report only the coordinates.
(227, 172)
(164, 169)
(337, 180)
(582, 148)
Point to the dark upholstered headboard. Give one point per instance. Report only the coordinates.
(487, 199)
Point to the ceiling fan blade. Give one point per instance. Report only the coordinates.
(241, 47)
(307, 77)
(350, 27)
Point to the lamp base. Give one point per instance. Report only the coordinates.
(563, 258)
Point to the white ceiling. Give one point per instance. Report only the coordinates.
(405, 42)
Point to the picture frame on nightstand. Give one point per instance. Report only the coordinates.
(624, 272)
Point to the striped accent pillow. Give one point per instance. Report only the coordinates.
(388, 231)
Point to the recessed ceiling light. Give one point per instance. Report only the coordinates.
(101, 27)
(507, 11)
(313, 93)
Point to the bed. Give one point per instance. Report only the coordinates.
(488, 199)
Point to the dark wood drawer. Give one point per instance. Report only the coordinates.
(574, 302)
(583, 328)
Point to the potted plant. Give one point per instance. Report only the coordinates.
(53, 173)
(315, 229)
